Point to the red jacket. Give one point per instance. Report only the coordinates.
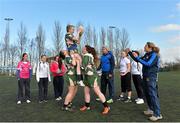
(54, 68)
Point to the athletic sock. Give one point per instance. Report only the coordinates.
(78, 77)
(65, 105)
(81, 77)
(129, 97)
(105, 104)
(87, 104)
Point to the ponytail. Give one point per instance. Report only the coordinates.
(61, 57)
(92, 51)
(153, 47)
(156, 49)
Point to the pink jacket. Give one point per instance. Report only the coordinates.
(54, 68)
(24, 69)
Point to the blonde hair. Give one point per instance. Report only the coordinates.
(153, 47)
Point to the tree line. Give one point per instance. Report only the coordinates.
(116, 39)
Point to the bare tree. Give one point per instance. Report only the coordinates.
(110, 39)
(32, 49)
(6, 45)
(82, 40)
(13, 53)
(124, 39)
(95, 39)
(117, 45)
(22, 39)
(177, 59)
(88, 35)
(1, 53)
(40, 39)
(57, 37)
(102, 37)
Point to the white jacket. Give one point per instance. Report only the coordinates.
(42, 71)
(136, 68)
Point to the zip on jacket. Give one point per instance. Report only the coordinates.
(43, 71)
(24, 70)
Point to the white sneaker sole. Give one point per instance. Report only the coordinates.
(140, 103)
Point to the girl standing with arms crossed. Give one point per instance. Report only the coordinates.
(24, 73)
(58, 70)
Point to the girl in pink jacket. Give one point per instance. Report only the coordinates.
(24, 73)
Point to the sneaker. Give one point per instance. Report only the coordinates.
(40, 101)
(84, 108)
(120, 98)
(59, 98)
(45, 101)
(128, 100)
(137, 99)
(70, 105)
(67, 109)
(28, 101)
(106, 110)
(155, 118)
(80, 83)
(148, 112)
(97, 99)
(140, 101)
(18, 102)
(110, 101)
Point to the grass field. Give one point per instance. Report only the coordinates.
(169, 90)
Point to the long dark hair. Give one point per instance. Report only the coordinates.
(61, 57)
(92, 51)
(23, 56)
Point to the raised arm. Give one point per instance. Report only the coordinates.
(150, 62)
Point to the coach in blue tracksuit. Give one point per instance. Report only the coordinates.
(107, 78)
(150, 62)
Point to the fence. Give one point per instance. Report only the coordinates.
(11, 71)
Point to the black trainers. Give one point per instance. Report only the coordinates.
(67, 109)
(70, 105)
(40, 101)
(45, 101)
(120, 98)
(128, 100)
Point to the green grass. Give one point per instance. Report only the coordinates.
(169, 90)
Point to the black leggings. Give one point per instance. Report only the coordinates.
(126, 83)
(43, 89)
(138, 85)
(58, 82)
